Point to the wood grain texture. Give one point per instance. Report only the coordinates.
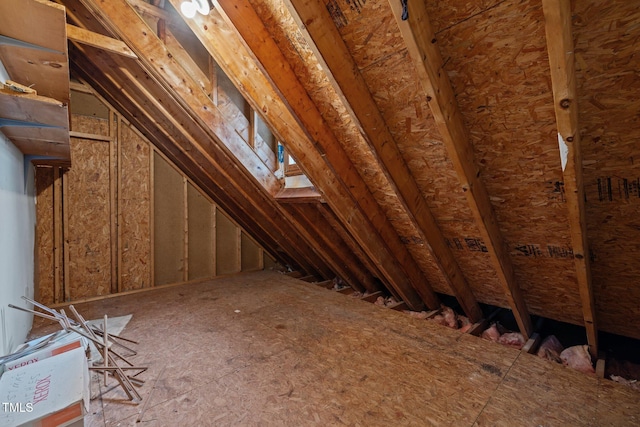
(607, 65)
(491, 55)
(276, 355)
(557, 14)
(135, 206)
(88, 259)
(394, 259)
(45, 236)
(352, 89)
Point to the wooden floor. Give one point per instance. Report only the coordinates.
(265, 349)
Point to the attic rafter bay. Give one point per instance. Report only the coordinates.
(230, 53)
(347, 194)
(418, 34)
(322, 36)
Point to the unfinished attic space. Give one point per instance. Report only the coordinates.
(320, 212)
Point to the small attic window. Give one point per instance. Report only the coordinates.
(291, 168)
(294, 177)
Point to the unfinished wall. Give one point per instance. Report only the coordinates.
(200, 237)
(169, 223)
(125, 218)
(269, 262)
(251, 258)
(87, 212)
(227, 245)
(17, 225)
(134, 210)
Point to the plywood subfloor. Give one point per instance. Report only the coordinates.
(266, 349)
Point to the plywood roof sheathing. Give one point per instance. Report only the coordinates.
(421, 41)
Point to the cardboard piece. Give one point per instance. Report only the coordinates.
(52, 392)
(64, 342)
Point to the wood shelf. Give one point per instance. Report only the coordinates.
(33, 50)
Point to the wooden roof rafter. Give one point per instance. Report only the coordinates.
(231, 55)
(342, 233)
(344, 263)
(320, 151)
(419, 36)
(559, 36)
(323, 37)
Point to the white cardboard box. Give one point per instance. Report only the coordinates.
(52, 392)
(64, 343)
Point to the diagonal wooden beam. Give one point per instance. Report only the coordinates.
(324, 39)
(99, 41)
(324, 161)
(557, 15)
(419, 36)
(343, 234)
(352, 270)
(359, 214)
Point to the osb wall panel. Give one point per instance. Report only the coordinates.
(226, 245)
(168, 213)
(134, 206)
(44, 233)
(298, 53)
(606, 48)
(497, 62)
(88, 124)
(89, 214)
(200, 234)
(250, 253)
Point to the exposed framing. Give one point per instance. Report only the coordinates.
(366, 221)
(419, 36)
(557, 15)
(323, 37)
